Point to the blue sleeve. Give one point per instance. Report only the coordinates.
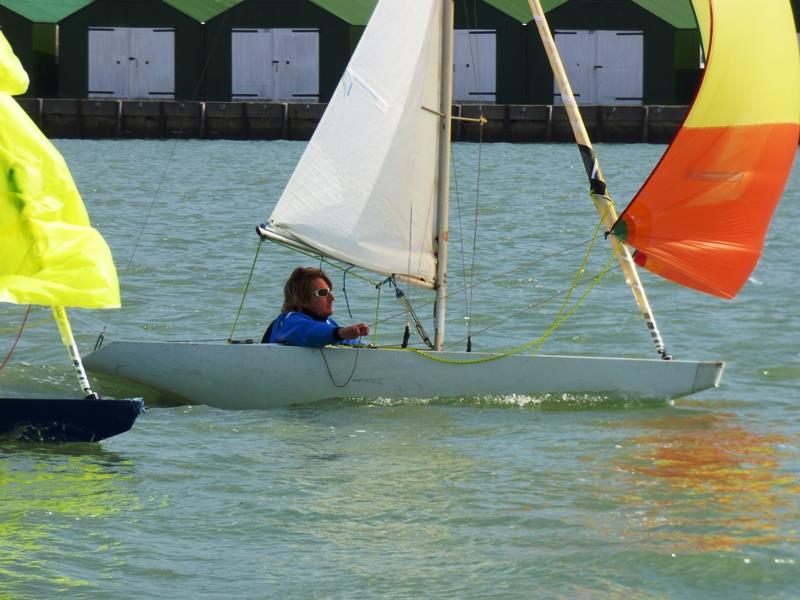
(297, 329)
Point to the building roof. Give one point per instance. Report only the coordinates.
(678, 14)
(202, 10)
(519, 9)
(355, 12)
(44, 11)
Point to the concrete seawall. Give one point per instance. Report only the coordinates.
(98, 119)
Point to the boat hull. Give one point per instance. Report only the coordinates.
(66, 419)
(259, 376)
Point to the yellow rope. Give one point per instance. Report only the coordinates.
(538, 342)
(559, 319)
(577, 277)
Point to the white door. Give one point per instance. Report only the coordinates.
(577, 50)
(131, 62)
(275, 64)
(297, 64)
(620, 59)
(252, 63)
(474, 65)
(152, 72)
(108, 62)
(603, 67)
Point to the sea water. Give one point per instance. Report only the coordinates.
(506, 497)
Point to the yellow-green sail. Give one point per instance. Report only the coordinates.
(49, 252)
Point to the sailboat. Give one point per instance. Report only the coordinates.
(371, 190)
(50, 255)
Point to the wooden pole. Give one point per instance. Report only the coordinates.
(597, 185)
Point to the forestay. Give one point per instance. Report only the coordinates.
(364, 191)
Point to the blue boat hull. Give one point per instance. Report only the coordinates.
(66, 420)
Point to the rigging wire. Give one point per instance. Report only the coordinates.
(469, 274)
(460, 235)
(19, 335)
(474, 236)
(246, 288)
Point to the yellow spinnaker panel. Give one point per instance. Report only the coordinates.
(49, 253)
(753, 66)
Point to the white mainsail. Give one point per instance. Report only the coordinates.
(364, 191)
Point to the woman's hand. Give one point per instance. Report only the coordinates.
(352, 332)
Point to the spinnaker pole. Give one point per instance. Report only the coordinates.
(597, 185)
(60, 317)
(443, 185)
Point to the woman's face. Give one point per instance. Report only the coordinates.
(320, 306)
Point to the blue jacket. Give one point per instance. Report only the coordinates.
(301, 329)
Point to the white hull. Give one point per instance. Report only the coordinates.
(258, 376)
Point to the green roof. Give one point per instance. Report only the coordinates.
(519, 9)
(44, 11)
(355, 12)
(678, 14)
(201, 10)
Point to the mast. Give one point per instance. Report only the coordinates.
(598, 190)
(443, 185)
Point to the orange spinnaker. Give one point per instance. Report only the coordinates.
(701, 218)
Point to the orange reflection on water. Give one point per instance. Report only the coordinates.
(705, 482)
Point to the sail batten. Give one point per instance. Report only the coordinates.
(364, 190)
(701, 218)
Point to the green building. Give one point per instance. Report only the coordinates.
(617, 52)
(31, 28)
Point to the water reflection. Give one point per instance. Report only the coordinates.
(51, 496)
(703, 481)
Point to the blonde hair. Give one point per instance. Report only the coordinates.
(298, 288)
